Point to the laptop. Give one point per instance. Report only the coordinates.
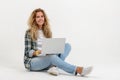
(53, 46)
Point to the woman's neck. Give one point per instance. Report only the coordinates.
(40, 27)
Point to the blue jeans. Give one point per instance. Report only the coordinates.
(42, 62)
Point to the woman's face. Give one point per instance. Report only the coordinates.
(39, 19)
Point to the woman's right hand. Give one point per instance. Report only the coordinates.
(36, 53)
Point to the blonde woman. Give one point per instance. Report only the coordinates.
(39, 28)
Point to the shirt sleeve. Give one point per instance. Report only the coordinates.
(28, 47)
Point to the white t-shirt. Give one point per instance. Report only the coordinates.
(39, 40)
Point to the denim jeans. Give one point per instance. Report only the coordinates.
(42, 62)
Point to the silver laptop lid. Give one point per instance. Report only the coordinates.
(53, 45)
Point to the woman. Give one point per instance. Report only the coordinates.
(39, 28)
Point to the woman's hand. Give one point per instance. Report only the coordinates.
(37, 52)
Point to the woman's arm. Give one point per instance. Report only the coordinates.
(28, 47)
(29, 51)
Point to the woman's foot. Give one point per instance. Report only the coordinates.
(53, 70)
(86, 71)
(83, 71)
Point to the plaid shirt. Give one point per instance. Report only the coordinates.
(30, 45)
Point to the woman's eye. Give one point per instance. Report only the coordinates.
(42, 16)
(37, 16)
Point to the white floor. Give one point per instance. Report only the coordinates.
(100, 72)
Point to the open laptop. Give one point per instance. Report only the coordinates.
(53, 46)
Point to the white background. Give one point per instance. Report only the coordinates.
(92, 27)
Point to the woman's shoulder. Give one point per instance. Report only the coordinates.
(27, 32)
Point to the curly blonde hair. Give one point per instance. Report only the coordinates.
(33, 27)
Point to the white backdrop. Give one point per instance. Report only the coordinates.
(92, 27)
